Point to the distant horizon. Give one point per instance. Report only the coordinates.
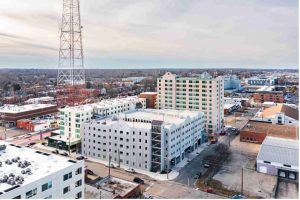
(154, 34)
(163, 68)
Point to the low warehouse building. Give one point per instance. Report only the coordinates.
(257, 131)
(12, 113)
(279, 157)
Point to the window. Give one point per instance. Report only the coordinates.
(78, 195)
(267, 162)
(67, 176)
(17, 197)
(46, 186)
(31, 193)
(66, 189)
(48, 197)
(78, 171)
(78, 183)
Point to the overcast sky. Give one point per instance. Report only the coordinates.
(155, 33)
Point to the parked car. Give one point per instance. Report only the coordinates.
(238, 196)
(111, 165)
(31, 143)
(138, 180)
(89, 172)
(214, 141)
(130, 170)
(206, 165)
(64, 154)
(148, 196)
(55, 151)
(80, 158)
(222, 133)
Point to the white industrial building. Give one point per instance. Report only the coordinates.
(147, 139)
(236, 101)
(270, 80)
(26, 173)
(200, 93)
(279, 157)
(72, 118)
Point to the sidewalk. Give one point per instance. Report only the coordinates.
(158, 176)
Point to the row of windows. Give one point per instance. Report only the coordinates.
(115, 131)
(185, 81)
(48, 185)
(120, 139)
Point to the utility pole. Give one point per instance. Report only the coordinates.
(109, 158)
(119, 158)
(242, 181)
(69, 143)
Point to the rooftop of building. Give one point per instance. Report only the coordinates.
(229, 105)
(236, 98)
(39, 99)
(280, 150)
(103, 104)
(142, 118)
(203, 76)
(11, 108)
(35, 164)
(150, 93)
(275, 130)
(265, 88)
(281, 108)
(115, 188)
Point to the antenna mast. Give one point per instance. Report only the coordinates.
(71, 72)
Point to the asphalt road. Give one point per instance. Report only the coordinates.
(186, 174)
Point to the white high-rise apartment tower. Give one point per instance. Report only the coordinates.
(202, 93)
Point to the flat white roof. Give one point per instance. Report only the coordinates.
(41, 164)
(266, 88)
(106, 103)
(284, 151)
(229, 105)
(167, 116)
(10, 108)
(148, 93)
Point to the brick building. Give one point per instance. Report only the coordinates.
(268, 96)
(256, 132)
(12, 113)
(150, 99)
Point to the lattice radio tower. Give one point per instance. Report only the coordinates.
(71, 72)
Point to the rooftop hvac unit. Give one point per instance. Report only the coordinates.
(2, 147)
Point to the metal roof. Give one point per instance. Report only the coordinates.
(279, 150)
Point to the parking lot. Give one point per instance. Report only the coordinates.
(11, 133)
(174, 190)
(243, 155)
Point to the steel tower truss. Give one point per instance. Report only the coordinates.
(71, 67)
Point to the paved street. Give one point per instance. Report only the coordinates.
(187, 173)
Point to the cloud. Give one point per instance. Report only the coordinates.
(157, 33)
